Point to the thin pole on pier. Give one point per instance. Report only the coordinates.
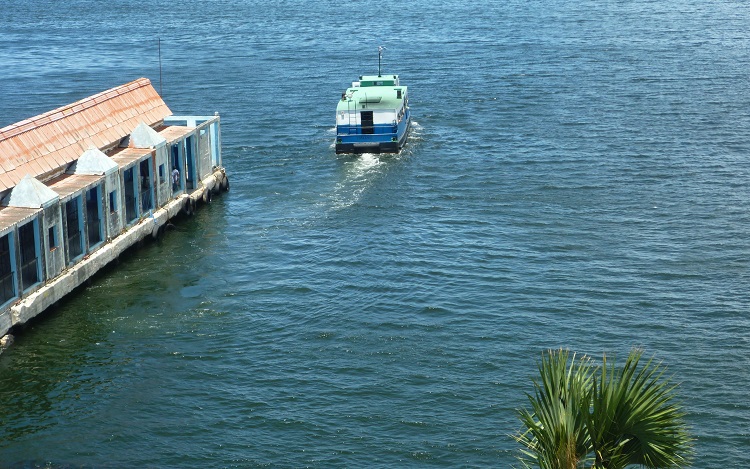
(161, 91)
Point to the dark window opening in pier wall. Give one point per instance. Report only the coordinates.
(94, 216)
(52, 237)
(113, 201)
(28, 240)
(73, 218)
(190, 173)
(174, 158)
(147, 201)
(130, 207)
(7, 275)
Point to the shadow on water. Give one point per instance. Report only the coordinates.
(65, 362)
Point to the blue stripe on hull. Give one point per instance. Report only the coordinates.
(349, 138)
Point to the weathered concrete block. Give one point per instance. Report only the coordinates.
(6, 322)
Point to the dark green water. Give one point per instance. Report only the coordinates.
(577, 178)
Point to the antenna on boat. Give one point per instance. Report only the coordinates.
(161, 91)
(380, 57)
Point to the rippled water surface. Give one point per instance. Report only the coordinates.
(577, 177)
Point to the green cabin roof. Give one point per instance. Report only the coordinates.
(373, 93)
(378, 80)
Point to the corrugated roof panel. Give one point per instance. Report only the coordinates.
(85, 121)
(64, 156)
(6, 164)
(58, 136)
(78, 149)
(98, 117)
(12, 148)
(111, 135)
(106, 107)
(85, 132)
(35, 167)
(11, 178)
(49, 162)
(26, 147)
(50, 146)
(55, 159)
(24, 127)
(96, 113)
(99, 114)
(51, 132)
(69, 184)
(67, 155)
(44, 120)
(10, 216)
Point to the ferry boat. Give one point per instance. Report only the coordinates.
(373, 115)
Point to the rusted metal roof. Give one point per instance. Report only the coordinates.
(124, 157)
(10, 216)
(172, 134)
(56, 138)
(69, 184)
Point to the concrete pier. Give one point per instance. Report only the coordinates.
(57, 288)
(84, 182)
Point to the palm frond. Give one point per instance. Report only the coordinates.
(600, 417)
(634, 419)
(554, 430)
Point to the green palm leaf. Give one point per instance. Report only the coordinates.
(584, 416)
(554, 435)
(633, 418)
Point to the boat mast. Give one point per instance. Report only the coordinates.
(380, 57)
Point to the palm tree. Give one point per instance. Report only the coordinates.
(598, 417)
(555, 435)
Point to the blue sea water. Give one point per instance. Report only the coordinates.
(577, 177)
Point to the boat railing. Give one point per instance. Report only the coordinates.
(377, 129)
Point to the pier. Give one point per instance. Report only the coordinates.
(82, 183)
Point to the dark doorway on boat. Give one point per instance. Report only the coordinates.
(29, 258)
(367, 122)
(129, 186)
(73, 220)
